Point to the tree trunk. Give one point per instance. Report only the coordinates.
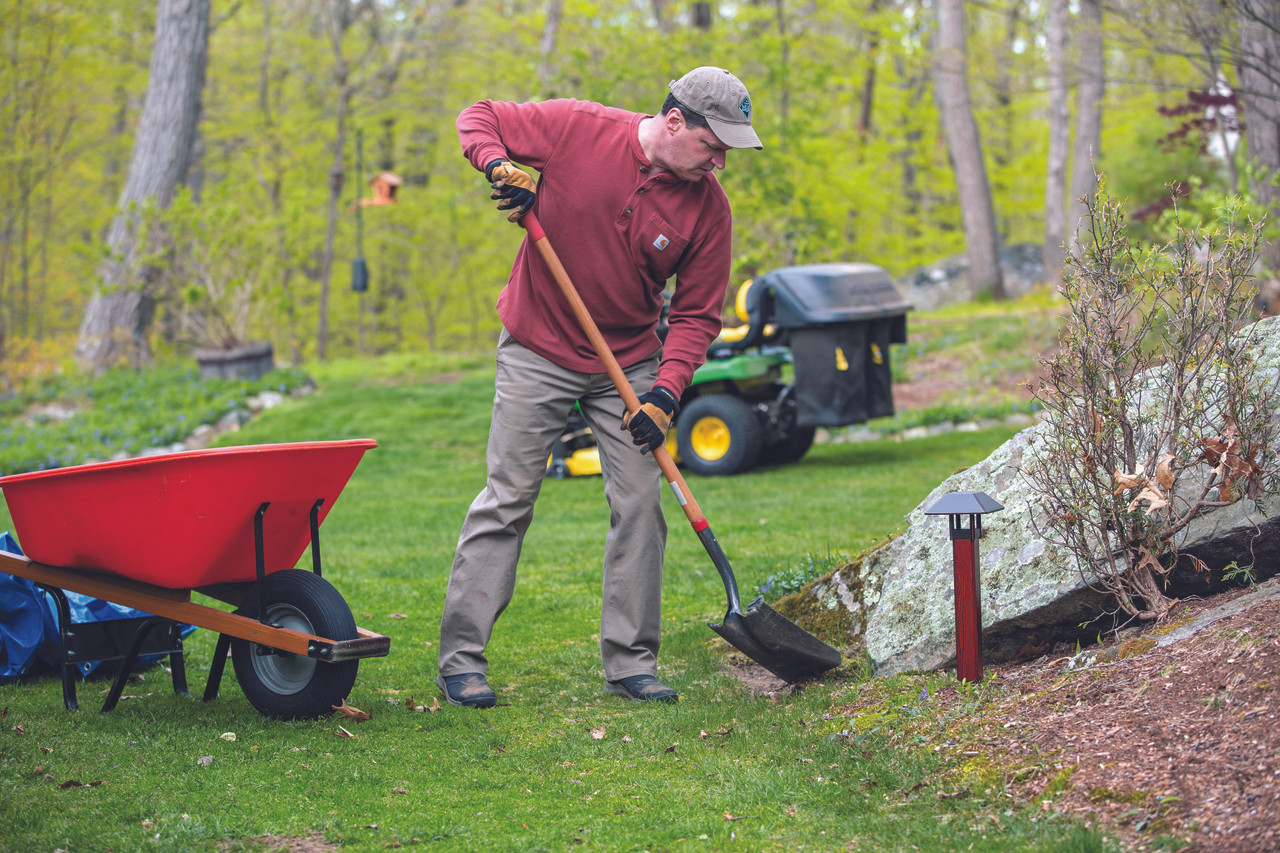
(341, 19)
(951, 86)
(118, 318)
(1259, 64)
(700, 16)
(547, 47)
(867, 97)
(660, 16)
(1088, 114)
(1055, 189)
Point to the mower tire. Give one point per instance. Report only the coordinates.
(790, 449)
(719, 435)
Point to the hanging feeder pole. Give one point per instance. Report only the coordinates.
(359, 269)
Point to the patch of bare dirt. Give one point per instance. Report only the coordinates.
(1178, 740)
(1174, 745)
(938, 376)
(312, 842)
(944, 376)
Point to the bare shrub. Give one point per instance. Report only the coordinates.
(1155, 409)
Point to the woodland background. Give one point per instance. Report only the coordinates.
(896, 132)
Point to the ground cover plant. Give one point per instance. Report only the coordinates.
(559, 764)
(64, 420)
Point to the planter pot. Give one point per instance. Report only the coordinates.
(248, 361)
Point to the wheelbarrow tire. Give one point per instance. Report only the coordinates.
(288, 686)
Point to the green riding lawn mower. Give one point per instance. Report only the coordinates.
(832, 324)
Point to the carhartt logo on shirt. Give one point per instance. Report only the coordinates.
(661, 242)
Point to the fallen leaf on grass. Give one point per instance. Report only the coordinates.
(229, 737)
(597, 734)
(45, 748)
(204, 760)
(397, 616)
(704, 734)
(344, 733)
(671, 748)
(352, 713)
(435, 705)
(73, 783)
(728, 816)
(19, 729)
(626, 738)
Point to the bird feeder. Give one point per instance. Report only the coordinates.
(384, 186)
(964, 558)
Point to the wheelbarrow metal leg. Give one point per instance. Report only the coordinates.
(131, 656)
(215, 669)
(315, 535)
(66, 668)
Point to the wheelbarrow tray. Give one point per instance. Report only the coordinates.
(181, 520)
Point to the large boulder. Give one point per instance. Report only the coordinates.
(898, 602)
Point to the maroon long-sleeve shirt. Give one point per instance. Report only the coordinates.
(620, 231)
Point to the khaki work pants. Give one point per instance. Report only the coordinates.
(532, 400)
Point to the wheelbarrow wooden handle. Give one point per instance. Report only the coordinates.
(611, 366)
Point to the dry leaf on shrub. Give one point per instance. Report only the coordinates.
(1124, 481)
(1164, 471)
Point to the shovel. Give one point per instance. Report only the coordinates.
(759, 632)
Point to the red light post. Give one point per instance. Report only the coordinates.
(964, 558)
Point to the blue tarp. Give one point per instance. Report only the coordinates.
(29, 622)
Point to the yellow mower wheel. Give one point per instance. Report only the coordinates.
(718, 435)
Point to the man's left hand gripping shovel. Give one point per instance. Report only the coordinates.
(759, 632)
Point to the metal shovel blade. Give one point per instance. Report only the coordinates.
(776, 643)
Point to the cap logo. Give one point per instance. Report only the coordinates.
(745, 106)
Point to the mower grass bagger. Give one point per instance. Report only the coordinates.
(833, 323)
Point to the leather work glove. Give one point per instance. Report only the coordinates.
(649, 423)
(514, 189)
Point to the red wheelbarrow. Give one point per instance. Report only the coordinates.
(228, 523)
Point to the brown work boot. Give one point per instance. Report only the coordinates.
(643, 688)
(468, 689)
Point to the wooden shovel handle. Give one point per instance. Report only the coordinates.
(611, 366)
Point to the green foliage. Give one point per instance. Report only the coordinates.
(853, 167)
(1233, 571)
(796, 578)
(122, 411)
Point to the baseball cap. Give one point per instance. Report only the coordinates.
(722, 100)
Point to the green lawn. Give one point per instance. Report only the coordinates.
(560, 764)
